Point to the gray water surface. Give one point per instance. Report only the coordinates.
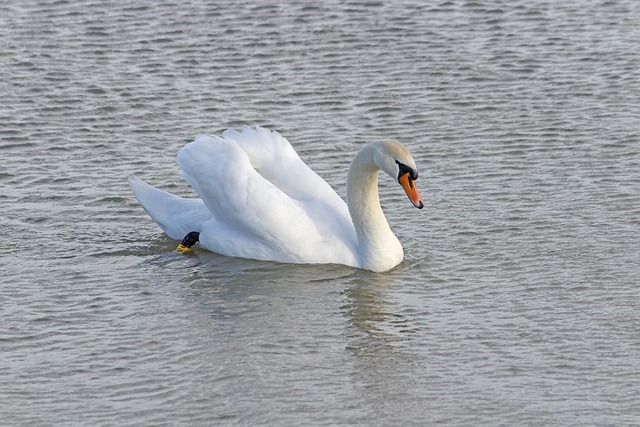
(518, 302)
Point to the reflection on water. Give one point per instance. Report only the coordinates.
(369, 310)
(382, 344)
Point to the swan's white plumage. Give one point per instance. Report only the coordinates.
(259, 200)
(177, 216)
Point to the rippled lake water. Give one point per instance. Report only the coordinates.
(518, 300)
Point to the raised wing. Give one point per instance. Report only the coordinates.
(263, 203)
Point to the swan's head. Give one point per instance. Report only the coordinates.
(393, 158)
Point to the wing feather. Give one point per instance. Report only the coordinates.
(276, 207)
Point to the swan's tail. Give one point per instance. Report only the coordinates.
(177, 216)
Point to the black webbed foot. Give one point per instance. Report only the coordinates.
(189, 240)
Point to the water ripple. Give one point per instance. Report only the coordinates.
(518, 290)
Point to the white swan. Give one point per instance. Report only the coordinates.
(259, 200)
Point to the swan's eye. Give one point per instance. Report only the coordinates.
(403, 169)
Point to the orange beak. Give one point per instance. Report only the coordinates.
(409, 186)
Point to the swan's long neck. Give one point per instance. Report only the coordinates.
(379, 249)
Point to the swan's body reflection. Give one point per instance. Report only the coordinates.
(345, 331)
